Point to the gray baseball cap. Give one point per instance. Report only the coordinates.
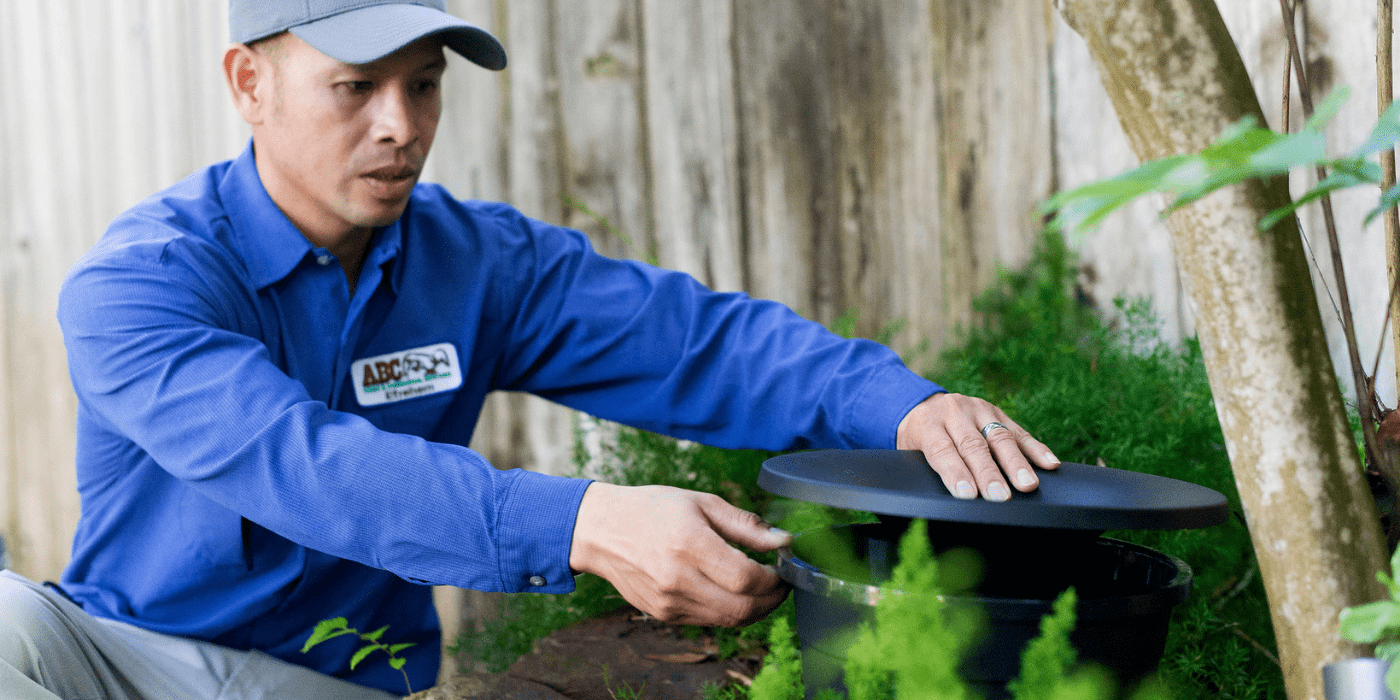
(361, 31)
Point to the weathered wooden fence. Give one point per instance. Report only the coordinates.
(831, 154)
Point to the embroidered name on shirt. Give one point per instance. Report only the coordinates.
(406, 374)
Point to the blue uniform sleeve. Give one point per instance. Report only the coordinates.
(655, 349)
(163, 350)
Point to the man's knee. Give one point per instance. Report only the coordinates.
(23, 618)
(35, 639)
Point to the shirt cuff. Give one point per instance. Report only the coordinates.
(536, 531)
(884, 401)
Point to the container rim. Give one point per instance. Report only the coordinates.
(809, 578)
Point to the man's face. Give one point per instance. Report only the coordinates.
(341, 146)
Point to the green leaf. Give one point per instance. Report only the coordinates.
(1334, 182)
(361, 654)
(397, 664)
(1328, 109)
(1086, 206)
(1385, 134)
(1389, 199)
(1238, 130)
(1390, 651)
(326, 629)
(375, 635)
(400, 647)
(1395, 564)
(1283, 153)
(1370, 623)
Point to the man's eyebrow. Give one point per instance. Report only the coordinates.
(436, 63)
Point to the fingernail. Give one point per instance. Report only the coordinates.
(782, 537)
(1051, 456)
(966, 490)
(1025, 478)
(997, 492)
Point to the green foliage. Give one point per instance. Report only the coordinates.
(914, 647)
(1243, 151)
(781, 675)
(622, 692)
(1114, 391)
(1379, 623)
(722, 691)
(1049, 657)
(339, 626)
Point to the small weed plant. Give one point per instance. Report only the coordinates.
(339, 627)
(1379, 623)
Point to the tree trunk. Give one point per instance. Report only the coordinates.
(1176, 80)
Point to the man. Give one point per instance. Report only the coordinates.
(280, 360)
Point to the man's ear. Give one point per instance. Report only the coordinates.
(248, 76)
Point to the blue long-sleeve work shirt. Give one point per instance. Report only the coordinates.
(261, 447)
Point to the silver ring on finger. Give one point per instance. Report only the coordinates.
(988, 428)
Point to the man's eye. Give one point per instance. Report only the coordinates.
(359, 85)
(427, 86)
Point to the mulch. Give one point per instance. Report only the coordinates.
(624, 655)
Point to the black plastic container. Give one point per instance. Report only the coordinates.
(1126, 593)
(1030, 548)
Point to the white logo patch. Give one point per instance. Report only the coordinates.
(406, 374)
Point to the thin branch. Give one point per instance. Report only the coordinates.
(1385, 93)
(1288, 88)
(1385, 325)
(1235, 627)
(1368, 421)
(1288, 128)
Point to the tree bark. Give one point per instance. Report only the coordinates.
(1177, 80)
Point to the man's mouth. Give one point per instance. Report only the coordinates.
(392, 174)
(390, 182)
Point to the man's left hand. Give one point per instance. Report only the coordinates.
(974, 447)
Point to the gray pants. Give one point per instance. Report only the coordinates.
(50, 649)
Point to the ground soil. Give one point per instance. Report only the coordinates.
(621, 656)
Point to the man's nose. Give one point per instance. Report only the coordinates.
(394, 119)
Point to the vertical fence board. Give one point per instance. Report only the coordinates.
(995, 131)
(37, 246)
(693, 139)
(468, 156)
(601, 122)
(784, 147)
(916, 260)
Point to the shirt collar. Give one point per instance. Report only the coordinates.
(268, 242)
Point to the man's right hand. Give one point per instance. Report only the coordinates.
(667, 551)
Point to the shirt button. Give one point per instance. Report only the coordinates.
(324, 260)
(537, 581)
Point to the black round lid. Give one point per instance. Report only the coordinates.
(1073, 497)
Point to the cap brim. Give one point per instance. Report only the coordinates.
(371, 33)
